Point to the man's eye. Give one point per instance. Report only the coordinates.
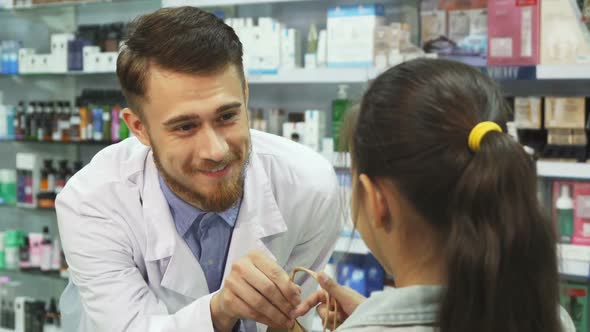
(228, 116)
(186, 127)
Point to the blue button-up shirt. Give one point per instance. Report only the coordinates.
(207, 234)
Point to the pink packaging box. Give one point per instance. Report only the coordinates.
(514, 32)
(581, 214)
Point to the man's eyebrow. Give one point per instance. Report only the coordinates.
(192, 117)
(181, 118)
(229, 106)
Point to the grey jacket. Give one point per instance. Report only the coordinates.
(408, 309)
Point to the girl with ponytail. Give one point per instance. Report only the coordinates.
(447, 203)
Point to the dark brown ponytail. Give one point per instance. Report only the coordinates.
(501, 254)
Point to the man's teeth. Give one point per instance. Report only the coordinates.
(218, 169)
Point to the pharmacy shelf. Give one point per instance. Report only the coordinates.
(318, 75)
(283, 76)
(350, 245)
(105, 143)
(55, 275)
(548, 169)
(565, 170)
(210, 3)
(70, 3)
(571, 72)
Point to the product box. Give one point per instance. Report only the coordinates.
(461, 4)
(290, 49)
(581, 214)
(527, 112)
(262, 47)
(107, 62)
(28, 168)
(567, 137)
(59, 42)
(574, 299)
(468, 28)
(90, 58)
(315, 128)
(565, 39)
(24, 59)
(434, 25)
(565, 113)
(350, 32)
(514, 32)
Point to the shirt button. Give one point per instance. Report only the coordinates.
(210, 262)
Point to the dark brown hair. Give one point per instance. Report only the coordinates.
(501, 259)
(182, 39)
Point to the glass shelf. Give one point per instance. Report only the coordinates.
(74, 4)
(17, 274)
(59, 142)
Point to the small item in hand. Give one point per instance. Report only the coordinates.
(297, 327)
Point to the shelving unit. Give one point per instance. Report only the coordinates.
(347, 75)
(571, 72)
(211, 3)
(269, 89)
(563, 170)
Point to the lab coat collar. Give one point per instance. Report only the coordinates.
(259, 217)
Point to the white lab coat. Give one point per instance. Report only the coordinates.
(131, 271)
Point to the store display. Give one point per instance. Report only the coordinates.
(363, 273)
(509, 33)
(574, 298)
(565, 38)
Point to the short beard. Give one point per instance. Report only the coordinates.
(226, 195)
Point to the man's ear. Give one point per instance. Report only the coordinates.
(137, 127)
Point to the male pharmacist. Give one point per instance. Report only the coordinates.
(194, 224)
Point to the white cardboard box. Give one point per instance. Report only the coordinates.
(315, 128)
(89, 58)
(290, 49)
(350, 32)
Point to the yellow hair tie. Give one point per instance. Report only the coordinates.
(479, 131)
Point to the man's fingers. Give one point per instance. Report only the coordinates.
(279, 277)
(260, 282)
(313, 300)
(248, 303)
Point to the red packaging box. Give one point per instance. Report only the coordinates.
(514, 32)
(462, 4)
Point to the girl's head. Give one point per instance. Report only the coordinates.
(434, 211)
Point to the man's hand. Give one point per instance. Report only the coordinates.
(257, 289)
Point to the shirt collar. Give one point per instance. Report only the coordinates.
(185, 214)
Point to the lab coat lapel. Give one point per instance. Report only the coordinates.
(259, 215)
(181, 270)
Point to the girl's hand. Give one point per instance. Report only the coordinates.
(343, 298)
